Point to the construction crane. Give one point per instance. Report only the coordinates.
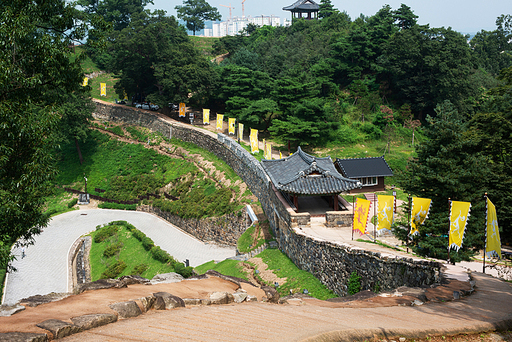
(230, 8)
(243, 14)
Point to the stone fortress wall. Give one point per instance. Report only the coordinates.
(331, 263)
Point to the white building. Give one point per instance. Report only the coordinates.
(237, 24)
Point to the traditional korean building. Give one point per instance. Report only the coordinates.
(369, 171)
(306, 9)
(304, 175)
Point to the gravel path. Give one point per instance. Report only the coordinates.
(44, 268)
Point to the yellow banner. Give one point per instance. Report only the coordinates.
(103, 89)
(386, 205)
(493, 243)
(220, 121)
(361, 210)
(280, 155)
(268, 151)
(459, 214)
(182, 110)
(125, 96)
(231, 125)
(84, 83)
(254, 141)
(206, 116)
(241, 131)
(419, 213)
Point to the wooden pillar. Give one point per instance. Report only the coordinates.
(296, 201)
(335, 200)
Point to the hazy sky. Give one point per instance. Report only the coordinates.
(466, 16)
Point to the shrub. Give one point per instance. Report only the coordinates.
(114, 270)
(104, 233)
(112, 250)
(72, 203)
(159, 254)
(139, 269)
(147, 243)
(354, 283)
(184, 271)
(106, 205)
(138, 234)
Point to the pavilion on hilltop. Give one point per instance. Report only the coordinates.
(306, 9)
(304, 175)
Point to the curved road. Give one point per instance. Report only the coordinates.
(44, 268)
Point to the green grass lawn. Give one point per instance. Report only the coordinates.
(132, 253)
(231, 268)
(297, 279)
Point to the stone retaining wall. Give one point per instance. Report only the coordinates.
(331, 263)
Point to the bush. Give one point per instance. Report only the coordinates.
(114, 270)
(104, 233)
(139, 269)
(159, 254)
(112, 250)
(72, 203)
(354, 283)
(184, 271)
(106, 205)
(138, 234)
(147, 243)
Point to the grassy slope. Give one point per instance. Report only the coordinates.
(132, 254)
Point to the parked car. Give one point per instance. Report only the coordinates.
(173, 106)
(153, 106)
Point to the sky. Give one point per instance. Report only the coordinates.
(465, 16)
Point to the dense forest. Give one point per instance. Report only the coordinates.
(333, 81)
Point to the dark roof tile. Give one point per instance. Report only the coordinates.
(364, 167)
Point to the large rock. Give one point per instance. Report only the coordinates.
(167, 278)
(87, 322)
(221, 298)
(133, 279)
(6, 311)
(271, 293)
(126, 309)
(36, 300)
(239, 296)
(98, 285)
(166, 301)
(147, 303)
(58, 328)
(23, 337)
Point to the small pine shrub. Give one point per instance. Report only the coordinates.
(186, 272)
(114, 270)
(112, 250)
(147, 243)
(72, 203)
(106, 205)
(139, 269)
(354, 283)
(105, 232)
(159, 254)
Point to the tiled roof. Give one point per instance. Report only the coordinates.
(364, 167)
(303, 5)
(304, 174)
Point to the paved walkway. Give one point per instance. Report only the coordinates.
(487, 309)
(44, 268)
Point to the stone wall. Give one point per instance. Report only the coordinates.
(331, 263)
(338, 219)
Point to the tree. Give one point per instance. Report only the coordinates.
(195, 12)
(36, 74)
(405, 17)
(156, 59)
(448, 166)
(259, 112)
(118, 12)
(326, 9)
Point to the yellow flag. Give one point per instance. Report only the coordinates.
(125, 96)
(419, 213)
(220, 121)
(241, 131)
(86, 80)
(103, 89)
(459, 213)
(361, 210)
(254, 141)
(493, 243)
(386, 204)
(182, 110)
(280, 155)
(231, 125)
(206, 116)
(268, 151)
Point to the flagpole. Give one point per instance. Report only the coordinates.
(409, 219)
(485, 245)
(449, 203)
(354, 215)
(376, 219)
